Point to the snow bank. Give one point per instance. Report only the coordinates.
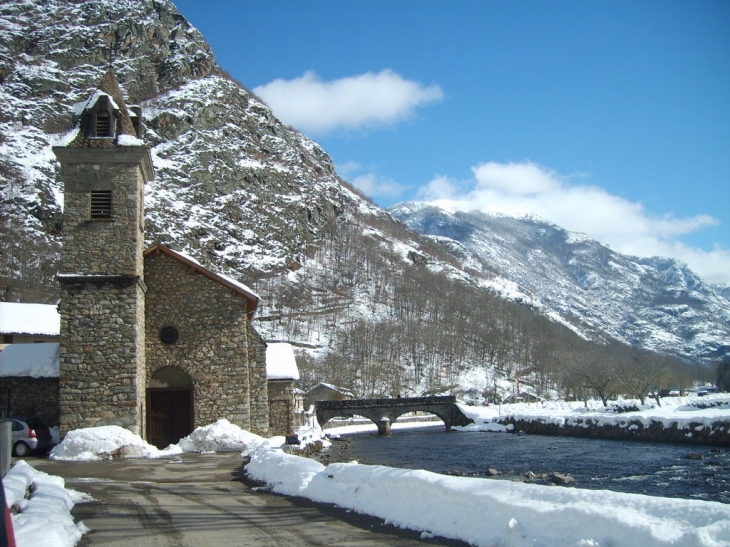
(111, 441)
(105, 442)
(283, 473)
(222, 436)
(488, 512)
(45, 518)
(686, 412)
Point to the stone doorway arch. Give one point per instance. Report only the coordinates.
(170, 406)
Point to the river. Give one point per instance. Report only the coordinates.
(669, 470)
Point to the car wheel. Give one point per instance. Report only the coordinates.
(20, 449)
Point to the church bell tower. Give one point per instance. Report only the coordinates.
(104, 167)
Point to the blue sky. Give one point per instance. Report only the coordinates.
(608, 118)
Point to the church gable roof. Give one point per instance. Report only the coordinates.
(252, 299)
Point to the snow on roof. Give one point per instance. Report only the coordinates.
(129, 140)
(332, 387)
(89, 103)
(280, 362)
(238, 284)
(30, 360)
(17, 318)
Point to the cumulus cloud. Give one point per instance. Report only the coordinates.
(315, 106)
(519, 189)
(371, 184)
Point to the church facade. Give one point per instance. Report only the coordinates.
(150, 340)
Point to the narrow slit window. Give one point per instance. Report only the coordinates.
(101, 204)
(103, 124)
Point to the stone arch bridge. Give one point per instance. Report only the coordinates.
(386, 411)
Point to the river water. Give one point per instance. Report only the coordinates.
(683, 471)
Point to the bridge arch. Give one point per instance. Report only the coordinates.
(383, 412)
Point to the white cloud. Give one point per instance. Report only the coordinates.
(315, 106)
(372, 185)
(519, 189)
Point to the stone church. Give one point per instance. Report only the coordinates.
(150, 340)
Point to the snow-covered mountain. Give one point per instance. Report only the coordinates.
(233, 186)
(373, 306)
(654, 303)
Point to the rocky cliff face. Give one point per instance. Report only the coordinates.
(234, 187)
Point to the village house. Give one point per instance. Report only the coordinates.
(326, 392)
(285, 403)
(29, 381)
(150, 340)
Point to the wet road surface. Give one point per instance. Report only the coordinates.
(205, 500)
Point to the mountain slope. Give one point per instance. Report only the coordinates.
(234, 187)
(654, 303)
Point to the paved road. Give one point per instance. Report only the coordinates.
(203, 500)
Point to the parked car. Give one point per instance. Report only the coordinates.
(30, 434)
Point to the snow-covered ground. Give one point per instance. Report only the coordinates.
(482, 512)
(44, 519)
(684, 411)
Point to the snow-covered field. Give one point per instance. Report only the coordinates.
(482, 512)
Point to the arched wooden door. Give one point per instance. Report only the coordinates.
(170, 408)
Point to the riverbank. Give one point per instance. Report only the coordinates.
(485, 512)
(714, 434)
(685, 420)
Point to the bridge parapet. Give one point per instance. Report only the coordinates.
(386, 411)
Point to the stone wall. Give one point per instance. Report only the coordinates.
(630, 430)
(102, 357)
(282, 419)
(259, 392)
(28, 397)
(213, 344)
(102, 304)
(103, 246)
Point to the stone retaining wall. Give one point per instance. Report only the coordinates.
(629, 430)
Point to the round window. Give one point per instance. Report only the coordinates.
(169, 335)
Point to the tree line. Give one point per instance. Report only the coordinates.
(424, 328)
